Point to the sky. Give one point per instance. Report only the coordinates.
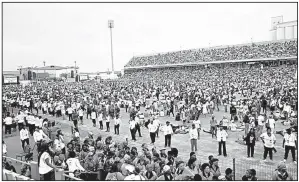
(61, 34)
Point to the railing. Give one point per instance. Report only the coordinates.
(11, 176)
(33, 165)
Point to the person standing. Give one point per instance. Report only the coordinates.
(75, 118)
(193, 138)
(45, 162)
(70, 112)
(250, 142)
(290, 144)
(197, 126)
(157, 123)
(8, 123)
(133, 129)
(167, 133)
(246, 121)
(233, 111)
(221, 138)
(271, 123)
(24, 136)
(93, 116)
(213, 124)
(152, 129)
(261, 123)
(137, 120)
(116, 124)
(269, 141)
(107, 123)
(81, 114)
(100, 119)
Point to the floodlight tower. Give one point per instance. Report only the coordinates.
(111, 25)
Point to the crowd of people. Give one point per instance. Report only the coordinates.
(185, 94)
(249, 51)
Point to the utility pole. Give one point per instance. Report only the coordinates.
(111, 25)
(44, 66)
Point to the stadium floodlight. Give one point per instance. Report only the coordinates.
(111, 25)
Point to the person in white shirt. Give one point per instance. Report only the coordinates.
(81, 114)
(290, 144)
(31, 123)
(271, 123)
(193, 137)
(157, 123)
(73, 163)
(137, 120)
(4, 148)
(107, 123)
(20, 120)
(167, 133)
(93, 117)
(8, 123)
(221, 138)
(197, 126)
(24, 136)
(45, 162)
(100, 119)
(225, 123)
(261, 123)
(38, 137)
(269, 141)
(132, 124)
(152, 130)
(116, 124)
(70, 112)
(38, 122)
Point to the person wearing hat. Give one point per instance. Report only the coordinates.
(167, 175)
(281, 173)
(221, 138)
(193, 138)
(290, 144)
(167, 133)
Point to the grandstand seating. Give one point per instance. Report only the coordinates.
(287, 48)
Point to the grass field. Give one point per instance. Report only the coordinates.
(206, 145)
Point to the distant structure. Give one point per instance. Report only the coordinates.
(283, 30)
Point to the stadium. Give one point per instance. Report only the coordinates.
(212, 113)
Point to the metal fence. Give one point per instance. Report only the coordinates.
(264, 171)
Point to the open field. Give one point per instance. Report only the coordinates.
(206, 145)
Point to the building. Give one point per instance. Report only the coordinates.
(283, 30)
(11, 77)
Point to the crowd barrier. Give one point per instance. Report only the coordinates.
(11, 176)
(264, 171)
(33, 165)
